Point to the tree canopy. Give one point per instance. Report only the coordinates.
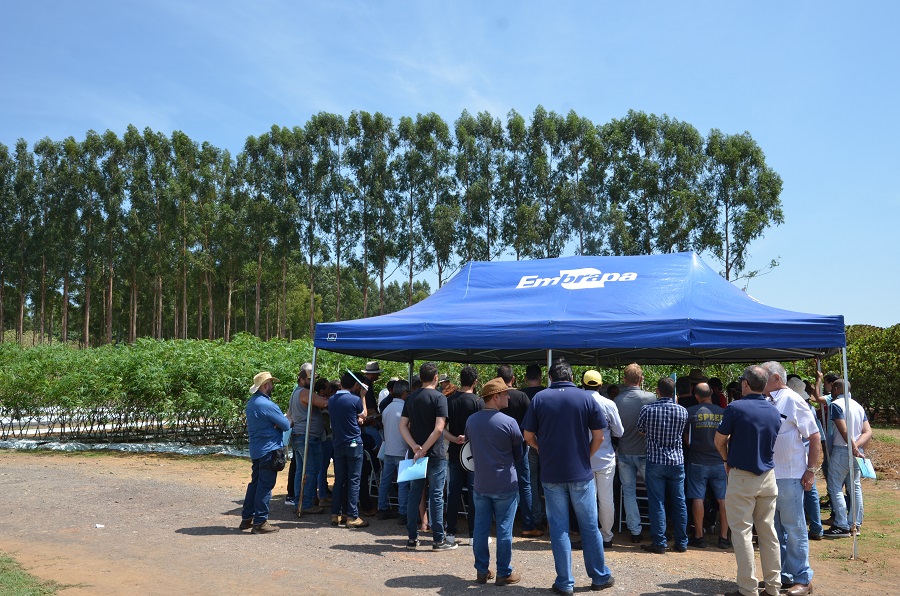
(118, 236)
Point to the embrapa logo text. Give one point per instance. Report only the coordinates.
(575, 279)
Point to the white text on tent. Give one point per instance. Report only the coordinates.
(575, 279)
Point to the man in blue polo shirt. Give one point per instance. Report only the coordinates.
(746, 441)
(565, 426)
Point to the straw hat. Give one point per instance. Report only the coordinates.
(696, 376)
(493, 387)
(372, 368)
(261, 378)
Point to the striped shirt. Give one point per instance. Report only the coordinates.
(663, 422)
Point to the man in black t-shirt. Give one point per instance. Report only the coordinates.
(518, 405)
(422, 426)
(460, 405)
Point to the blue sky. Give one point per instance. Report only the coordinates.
(815, 83)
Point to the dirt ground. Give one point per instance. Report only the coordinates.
(154, 524)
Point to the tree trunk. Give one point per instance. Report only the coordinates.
(43, 293)
(312, 297)
(86, 337)
(2, 313)
(230, 286)
(258, 287)
(64, 323)
(109, 303)
(184, 293)
(282, 309)
(209, 304)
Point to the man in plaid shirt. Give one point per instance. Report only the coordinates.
(663, 422)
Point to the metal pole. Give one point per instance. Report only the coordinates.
(309, 405)
(826, 417)
(851, 515)
(549, 364)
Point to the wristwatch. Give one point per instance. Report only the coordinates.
(813, 470)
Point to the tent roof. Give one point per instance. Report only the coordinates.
(592, 310)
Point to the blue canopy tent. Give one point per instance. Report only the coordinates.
(668, 309)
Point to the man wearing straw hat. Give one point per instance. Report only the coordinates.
(266, 426)
(496, 443)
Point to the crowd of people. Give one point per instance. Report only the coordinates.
(710, 462)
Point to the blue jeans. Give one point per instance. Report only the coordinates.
(534, 477)
(389, 468)
(436, 475)
(347, 472)
(259, 491)
(583, 498)
(459, 477)
(839, 473)
(314, 460)
(523, 472)
(629, 467)
(790, 527)
(666, 481)
(811, 510)
(488, 507)
(327, 452)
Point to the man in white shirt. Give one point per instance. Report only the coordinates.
(394, 451)
(603, 462)
(850, 426)
(794, 473)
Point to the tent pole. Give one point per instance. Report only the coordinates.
(410, 375)
(549, 364)
(312, 383)
(825, 417)
(853, 504)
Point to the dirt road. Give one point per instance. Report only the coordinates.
(153, 524)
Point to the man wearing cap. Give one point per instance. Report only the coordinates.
(631, 457)
(603, 462)
(566, 426)
(266, 426)
(460, 405)
(496, 443)
(795, 467)
(347, 412)
(745, 440)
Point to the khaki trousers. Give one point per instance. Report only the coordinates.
(749, 501)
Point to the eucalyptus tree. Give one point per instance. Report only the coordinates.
(742, 199)
(580, 182)
(164, 216)
(213, 166)
(7, 169)
(548, 207)
(371, 144)
(519, 214)
(408, 166)
(491, 151)
(433, 144)
(654, 185)
(24, 215)
(112, 202)
(46, 242)
(184, 190)
(339, 215)
(225, 223)
(138, 237)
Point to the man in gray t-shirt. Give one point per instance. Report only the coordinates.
(631, 455)
(704, 470)
(298, 413)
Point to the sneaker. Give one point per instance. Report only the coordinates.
(384, 514)
(412, 544)
(697, 542)
(557, 590)
(482, 578)
(264, 528)
(450, 537)
(444, 545)
(357, 522)
(607, 545)
(338, 520)
(636, 538)
(679, 549)
(246, 524)
(725, 543)
(505, 580)
(836, 532)
(815, 536)
(290, 502)
(609, 584)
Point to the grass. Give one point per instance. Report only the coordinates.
(15, 581)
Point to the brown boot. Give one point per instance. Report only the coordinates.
(264, 528)
(357, 522)
(246, 524)
(505, 580)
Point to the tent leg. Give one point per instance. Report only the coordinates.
(549, 364)
(309, 405)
